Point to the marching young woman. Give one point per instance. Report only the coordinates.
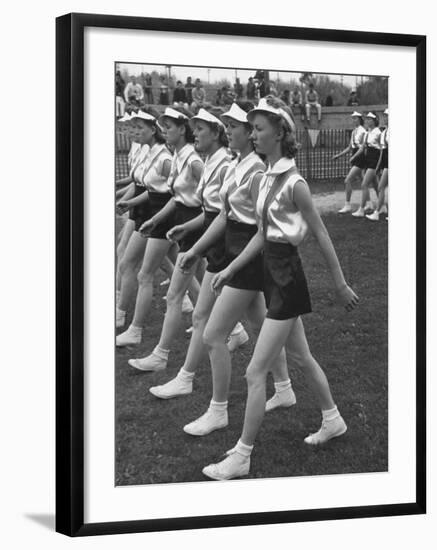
(383, 180)
(126, 191)
(151, 194)
(211, 140)
(357, 165)
(371, 149)
(243, 293)
(285, 212)
(185, 205)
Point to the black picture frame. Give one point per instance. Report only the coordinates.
(70, 273)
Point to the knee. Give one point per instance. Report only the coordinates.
(199, 318)
(255, 376)
(145, 277)
(212, 338)
(174, 297)
(125, 265)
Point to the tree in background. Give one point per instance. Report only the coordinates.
(374, 91)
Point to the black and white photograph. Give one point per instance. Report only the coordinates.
(251, 273)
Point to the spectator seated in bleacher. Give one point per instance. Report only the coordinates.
(238, 89)
(312, 100)
(296, 103)
(199, 97)
(119, 99)
(180, 96)
(133, 93)
(353, 99)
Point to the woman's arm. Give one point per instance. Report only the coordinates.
(302, 199)
(212, 234)
(359, 152)
(124, 181)
(378, 164)
(126, 193)
(348, 148)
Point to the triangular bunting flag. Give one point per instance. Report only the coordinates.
(314, 134)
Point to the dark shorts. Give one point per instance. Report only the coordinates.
(215, 255)
(384, 160)
(250, 277)
(285, 286)
(372, 157)
(140, 213)
(157, 202)
(184, 214)
(359, 161)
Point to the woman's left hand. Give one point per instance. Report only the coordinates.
(347, 297)
(220, 279)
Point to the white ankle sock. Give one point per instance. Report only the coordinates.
(237, 329)
(282, 386)
(330, 414)
(161, 353)
(133, 329)
(218, 407)
(185, 375)
(120, 311)
(243, 449)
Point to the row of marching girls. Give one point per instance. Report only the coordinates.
(167, 196)
(369, 158)
(264, 215)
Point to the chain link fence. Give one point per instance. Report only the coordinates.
(314, 157)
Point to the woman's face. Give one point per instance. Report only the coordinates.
(265, 135)
(204, 136)
(356, 120)
(142, 132)
(370, 123)
(385, 118)
(238, 136)
(172, 132)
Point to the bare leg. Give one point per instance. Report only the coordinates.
(172, 320)
(383, 182)
(129, 269)
(298, 352)
(127, 231)
(368, 180)
(271, 340)
(353, 175)
(225, 314)
(156, 250)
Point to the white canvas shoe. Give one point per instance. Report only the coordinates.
(151, 363)
(329, 429)
(374, 216)
(346, 209)
(234, 465)
(237, 340)
(187, 304)
(129, 337)
(285, 398)
(120, 318)
(360, 213)
(173, 388)
(189, 330)
(210, 421)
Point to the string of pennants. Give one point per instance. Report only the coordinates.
(314, 134)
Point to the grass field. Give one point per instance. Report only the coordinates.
(352, 348)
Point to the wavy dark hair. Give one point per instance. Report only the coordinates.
(189, 136)
(375, 120)
(159, 136)
(289, 145)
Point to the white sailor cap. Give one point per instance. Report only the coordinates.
(236, 113)
(172, 113)
(264, 107)
(371, 115)
(125, 118)
(203, 114)
(386, 111)
(144, 116)
(356, 113)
